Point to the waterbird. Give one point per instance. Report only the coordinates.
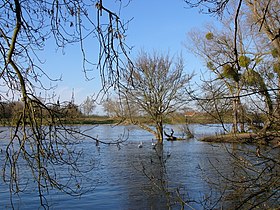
(168, 154)
(140, 145)
(154, 144)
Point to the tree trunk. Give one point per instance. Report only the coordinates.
(159, 128)
(235, 116)
(241, 115)
(278, 98)
(271, 29)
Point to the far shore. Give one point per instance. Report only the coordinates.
(272, 138)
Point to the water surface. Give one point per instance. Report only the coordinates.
(128, 177)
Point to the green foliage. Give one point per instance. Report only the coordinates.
(209, 36)
(210, 65)
(230, 72)
(276, 68)
(253, 78)
(274, 52)
(258, 60)
(270, 75)
(227, 70)
(244, 61)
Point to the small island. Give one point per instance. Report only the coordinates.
(252, 138)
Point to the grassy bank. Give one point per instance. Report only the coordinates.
(269, 138)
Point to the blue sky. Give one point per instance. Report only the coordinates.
(156, 26)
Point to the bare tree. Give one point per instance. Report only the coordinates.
(215, 102)
(157, 87)
(211, 6)
(39, 136)
(255, 183)
(88, 106)
(118, 108)
(112, 107)
(217, 50)
(264, 18)
(237, 60)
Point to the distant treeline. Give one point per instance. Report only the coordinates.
(10, 112)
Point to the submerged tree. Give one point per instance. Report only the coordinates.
(157, 86)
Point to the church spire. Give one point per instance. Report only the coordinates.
(73, 97)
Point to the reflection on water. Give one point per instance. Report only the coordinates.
(128, 177)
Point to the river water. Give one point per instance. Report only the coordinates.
(129, 177)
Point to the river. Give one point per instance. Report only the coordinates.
(129, 177)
